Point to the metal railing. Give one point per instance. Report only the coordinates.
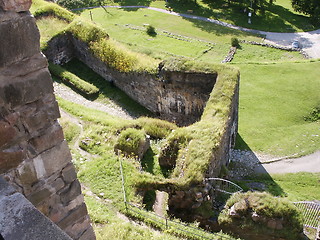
(310, 212)
(224, 186)
(177, 226)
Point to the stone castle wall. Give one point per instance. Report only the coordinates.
(174, 96)
(34, 157)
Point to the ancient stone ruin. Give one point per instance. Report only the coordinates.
(34, 157)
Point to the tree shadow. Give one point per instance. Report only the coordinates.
(107, 89)
(247, 171)
(145, 3)
(272, 18)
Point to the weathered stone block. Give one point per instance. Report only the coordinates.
(56, 158)
(51, 137)
(39, 196)
(77, 230)
(24, 67)
(71, 192)
(28, 89)
(10, 159)
(7, 133)
(19, 219)
(88, 235)
(58, 184)
(18, 38)
(73, 216)
(15, 5)
(27, 174)
(69, 173)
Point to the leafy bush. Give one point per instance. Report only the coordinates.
(73, 80)
(47, 8)
(151, 31)
(253, 212)
(235, 42)
(314, 115)
(130, 141)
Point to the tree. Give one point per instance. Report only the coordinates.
(309, 7)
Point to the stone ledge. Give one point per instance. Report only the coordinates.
(19, 219)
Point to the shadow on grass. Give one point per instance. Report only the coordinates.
(274, 18)
(133, 3)
(107, 89)
(248, 172)
(147, 162)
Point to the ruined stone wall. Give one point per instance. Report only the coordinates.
(34, 157)
(175, 96)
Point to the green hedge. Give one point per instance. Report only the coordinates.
(73, 80)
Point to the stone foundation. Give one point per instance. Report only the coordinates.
(34, 157)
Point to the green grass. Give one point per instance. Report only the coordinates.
(178, 36)
(279, 17)
(293, 186)
(108, 92)
(74, 81)
(49, 27)
(274, 99)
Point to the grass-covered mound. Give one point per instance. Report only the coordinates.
(74, 81)
(261, 215)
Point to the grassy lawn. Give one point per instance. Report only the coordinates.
(274, 99)
(279, 17)
(177, 36)
(293, 186)
(48, 27)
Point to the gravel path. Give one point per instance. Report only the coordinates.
(112, 109)
(246, 163)
(309, 41)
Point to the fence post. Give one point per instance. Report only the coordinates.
(122, 183)
(166, 223)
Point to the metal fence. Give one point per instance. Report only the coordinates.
(311, 213)
(224, 186)
(178, 227)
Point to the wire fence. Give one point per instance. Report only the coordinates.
(178, 227)
(167, 223)
(224, 186)
(310, 212)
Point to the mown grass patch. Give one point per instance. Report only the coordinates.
(274, 98)
(293, 186)
(178, 36)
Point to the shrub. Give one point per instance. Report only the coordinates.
(73, 80)
(130, 141)
(235, 42)
(256, 212)
(151, 31)
(314, 115)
